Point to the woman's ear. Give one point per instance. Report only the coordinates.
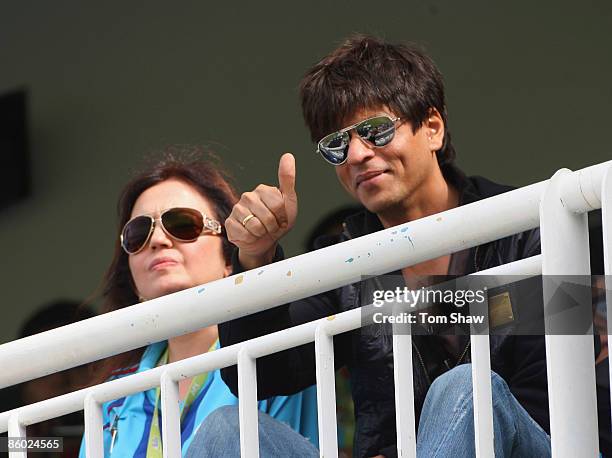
(135, 290)
(434, 128)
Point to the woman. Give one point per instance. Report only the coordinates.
(171, 238)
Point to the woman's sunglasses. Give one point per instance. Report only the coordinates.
(377, 131)
(183, 224)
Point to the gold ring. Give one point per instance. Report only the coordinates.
(247, 218)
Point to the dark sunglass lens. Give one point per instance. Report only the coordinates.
(135, 233)
(183, 223)
(334, 147)
(378, 131)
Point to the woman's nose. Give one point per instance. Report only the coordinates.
(159, 238)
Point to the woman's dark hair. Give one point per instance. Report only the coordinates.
(192, 165)
(367, 72)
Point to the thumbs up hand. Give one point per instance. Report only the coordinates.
(263, 216)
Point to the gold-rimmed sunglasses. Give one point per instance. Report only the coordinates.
(182, 224)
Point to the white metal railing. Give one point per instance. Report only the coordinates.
(558, 206)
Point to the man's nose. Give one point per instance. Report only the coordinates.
(359, 150)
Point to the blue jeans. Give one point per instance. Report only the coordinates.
(218, 437)
(446, 427)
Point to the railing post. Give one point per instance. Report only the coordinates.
(481, 382)
(94, 440)
(326, 393)
(171, 418)
(404, 390)
(247, 405)
(606, 223)
(16, 430)
(569, 358)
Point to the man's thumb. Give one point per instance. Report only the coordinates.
(286, 175)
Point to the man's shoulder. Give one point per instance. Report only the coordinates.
(473, 188)
(511, 248)
(488, 188)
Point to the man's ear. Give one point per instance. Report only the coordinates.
(434, 129)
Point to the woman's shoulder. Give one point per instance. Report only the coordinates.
(148, 360)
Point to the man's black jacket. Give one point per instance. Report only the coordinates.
(520, 360)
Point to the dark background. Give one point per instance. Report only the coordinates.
(528, 87)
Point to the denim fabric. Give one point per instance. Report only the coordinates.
(446, 427)
(218, 437)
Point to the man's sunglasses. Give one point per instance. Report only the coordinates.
(377, 131)
(183, 224)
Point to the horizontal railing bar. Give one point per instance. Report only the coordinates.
(519, 270)
(223, 357)
(581, 190)
(259, 289)
(73, 402)
(301, 276)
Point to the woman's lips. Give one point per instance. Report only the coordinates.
(162, 263)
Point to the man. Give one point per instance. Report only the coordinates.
(378, 113)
